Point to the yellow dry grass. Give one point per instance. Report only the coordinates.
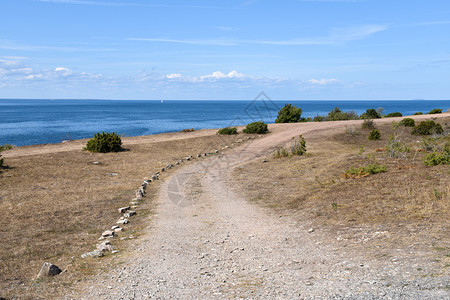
(56, 205)
(411, 202)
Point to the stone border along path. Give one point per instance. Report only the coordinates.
(127, 211)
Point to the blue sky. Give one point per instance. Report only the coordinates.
(290, 49)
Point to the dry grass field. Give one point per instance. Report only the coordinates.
(404, 210)
(56, 204)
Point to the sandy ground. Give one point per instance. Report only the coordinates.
(207, 242)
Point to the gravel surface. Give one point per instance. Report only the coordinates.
(207, 242)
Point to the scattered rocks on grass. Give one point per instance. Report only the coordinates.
(108, 233)
(105, 246)
(129, 214)
(123, 221)
(123, 209)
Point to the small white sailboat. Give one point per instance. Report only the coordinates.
(162, 101)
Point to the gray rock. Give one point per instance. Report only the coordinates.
(48, 270)
(163, 169)
(217, 151)
(123, 221)
(123, 209)
(95, 253)
(105, 246)
(129, 214)
(117, 230)
(108, 233)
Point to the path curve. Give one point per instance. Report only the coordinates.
(207, 242)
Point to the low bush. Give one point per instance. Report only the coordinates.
(374, 135)
(188, 130)
(437, 158)
(360, 172)
(104, 142)
(318, 118)
(407, 122)
(351, 130)
(281, 152)
(337, 115)
(5, 147)
(427, 127)
(368, 124)
(371, 114)
(298, 146)
(256, 127)
(418, 113)
(394, 114)
(228, 130)
(435, 111)
(395, 148)
(289, 114)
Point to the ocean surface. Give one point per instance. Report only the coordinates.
(29, 122)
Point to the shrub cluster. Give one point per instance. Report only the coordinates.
(428, 127)
(256, 127)
(394, 114)
(228, 130)
(435, 111)
(104, 142)
(371, 114)
(289, 114)
(374, 135)
(418, 113)
(437, 158)
(360, 172)
(441, 150)
(188, 130)
(407, 122)
(337, 115)
(395, 148)
(368, 124)
(281, 152)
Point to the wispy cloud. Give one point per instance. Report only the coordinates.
(336, 36)
(12, 45)
(122, 4)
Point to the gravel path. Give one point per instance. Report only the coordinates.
(207, 242)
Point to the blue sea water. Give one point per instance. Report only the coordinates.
(29, 122)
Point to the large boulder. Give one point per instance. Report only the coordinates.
(48, 270)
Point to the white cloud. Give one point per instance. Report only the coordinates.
(173, 76)
(63, 71)
(220, 75)
(336, 36)
(323, 81)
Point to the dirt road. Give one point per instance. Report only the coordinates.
(207, 242)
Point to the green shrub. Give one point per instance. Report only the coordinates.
(428, 127)
(228, 130)
(256, 127)
(394, 114)
(289, 114)
(298, 146)
(359, 172)
(337, 115)
(435, 111)
(371, 114)
(319, 118)
(281, 152)
(368, 124)
(374, 135)
(437, 158)
(407, 122)
(418, 113)
(308, 119)
(5, 147)
(104, 142)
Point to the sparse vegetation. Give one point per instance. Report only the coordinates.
(368, 124)
(437, 158)
(351, 130)
(407, 122)
(256, 127)
(228, 130)
(360, 172)
(298, 145)
(435, 111)
(104, 142)
(188, 130)
(395, 148)
(289, 114)
(5, 147)
(394, 114)
(281, 152)
(428, 127)
(374, 135)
